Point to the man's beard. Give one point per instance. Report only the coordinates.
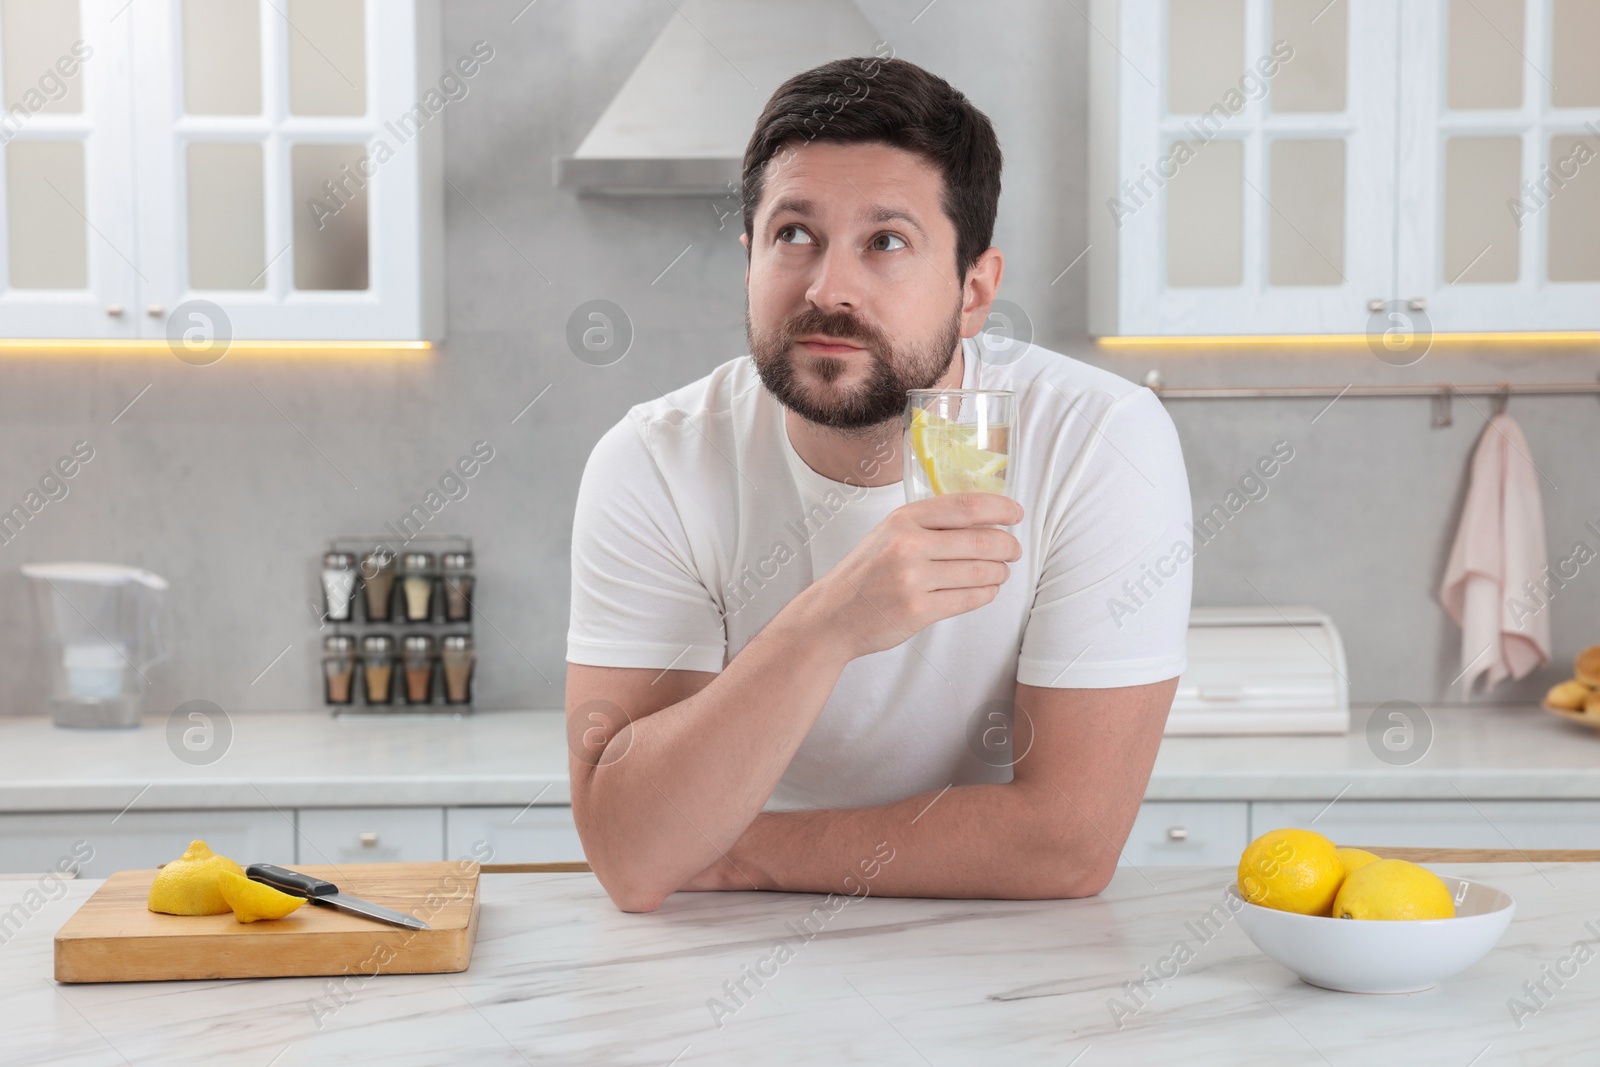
(879, 399)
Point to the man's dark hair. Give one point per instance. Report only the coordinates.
(887, 101)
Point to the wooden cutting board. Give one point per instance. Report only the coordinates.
(115, 937)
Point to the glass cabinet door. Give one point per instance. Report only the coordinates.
(68, 267)
(1254, 166)
(1499, 176)
(267, 169)
(289, 164)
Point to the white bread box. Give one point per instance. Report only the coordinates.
(1262, 671)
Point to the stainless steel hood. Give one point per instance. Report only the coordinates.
(680, 123)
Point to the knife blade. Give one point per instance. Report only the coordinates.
(327, 894)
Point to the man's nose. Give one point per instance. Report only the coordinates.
(839, 279)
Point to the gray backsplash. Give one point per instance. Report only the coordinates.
(204, 482)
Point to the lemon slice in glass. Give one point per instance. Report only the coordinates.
(951, 457)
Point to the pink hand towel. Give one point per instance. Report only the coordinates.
(1497, 558)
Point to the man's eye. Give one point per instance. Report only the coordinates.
(792, 229)
(888, 237)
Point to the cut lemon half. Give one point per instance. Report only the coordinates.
(188, 884)
(951, 457)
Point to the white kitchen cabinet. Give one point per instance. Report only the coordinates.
(67, 229)
(140, 839)
(1498, 224)
(534, 834)
(1440, 823)
(1170, 833)
(1241, 167)
(370, 835)
(1265, 167)
(296, 184)
(266, 170)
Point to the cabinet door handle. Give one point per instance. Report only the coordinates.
(1416, 303)
(1375, 305)
(1178, 833)
(114, 310)
(155, 311)
(369, 839)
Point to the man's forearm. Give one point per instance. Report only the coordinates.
(675, 789)
(1011, 841)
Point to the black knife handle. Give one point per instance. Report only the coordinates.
(292, 882)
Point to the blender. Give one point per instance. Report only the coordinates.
(102, 627)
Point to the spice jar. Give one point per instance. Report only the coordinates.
(457, 568)
(416, 584)
(457, 660)
(377, 576)
(338, 585)
(377, 660)
(338, 668)
(417, 660)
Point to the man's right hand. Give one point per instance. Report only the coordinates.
(927, 561)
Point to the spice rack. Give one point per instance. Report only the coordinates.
(401, 616)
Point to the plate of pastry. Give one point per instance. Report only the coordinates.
(1578, 698)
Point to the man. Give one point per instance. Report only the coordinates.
(784, 677)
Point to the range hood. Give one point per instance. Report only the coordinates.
(680, 122)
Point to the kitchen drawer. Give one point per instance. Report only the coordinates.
(139, 839)
(538, 834)
(1440, 823)
(1188, 833)
(371, 835)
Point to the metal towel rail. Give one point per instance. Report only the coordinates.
(1440, 393)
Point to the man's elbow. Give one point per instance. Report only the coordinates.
(631, 891)
(637, 902)
(1090, 883)
(632, 882)
(629, 878)
(1074, 876)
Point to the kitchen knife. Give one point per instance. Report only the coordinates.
(319, 892)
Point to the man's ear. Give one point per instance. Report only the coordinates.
(744, 239)
(979, 290)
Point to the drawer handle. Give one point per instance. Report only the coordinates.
(369, 839)
(1178, 833)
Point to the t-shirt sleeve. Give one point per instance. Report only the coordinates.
(637, 600)
(1112, 604)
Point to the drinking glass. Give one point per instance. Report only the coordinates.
(957, 441)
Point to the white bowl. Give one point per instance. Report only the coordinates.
(1383, 956)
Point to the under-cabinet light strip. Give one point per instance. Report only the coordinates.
(1587, 337)
(56, 347)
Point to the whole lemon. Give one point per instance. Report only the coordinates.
(1394, 889)
(188, 885)
(1291, 870)
(1354, 859)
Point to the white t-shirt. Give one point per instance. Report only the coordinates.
(697, 522)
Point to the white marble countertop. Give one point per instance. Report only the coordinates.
(504, 757)
(291, 759)
(561, 976)
(1475, 751)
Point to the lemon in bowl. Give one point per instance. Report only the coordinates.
(1291, 870)
(1390, 926)
(1355, 858)
(1393, 890)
